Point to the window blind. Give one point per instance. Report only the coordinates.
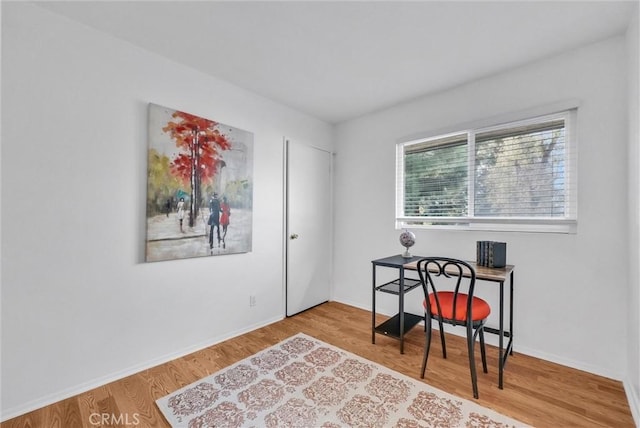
(436, 177)
(516, 173)
(520, 171)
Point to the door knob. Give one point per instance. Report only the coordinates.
(294, 236)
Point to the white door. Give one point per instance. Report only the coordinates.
(308, 227)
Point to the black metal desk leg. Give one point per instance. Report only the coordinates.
(373, 304)
(401, 308)
(501, 338)
(511, 313)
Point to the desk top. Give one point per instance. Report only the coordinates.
(396, 261)
(482, 272)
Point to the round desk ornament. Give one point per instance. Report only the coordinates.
(407, 239)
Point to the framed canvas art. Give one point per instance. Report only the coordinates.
(199, 187)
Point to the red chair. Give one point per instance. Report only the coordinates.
(456, 306)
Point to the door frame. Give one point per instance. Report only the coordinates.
(285, 218)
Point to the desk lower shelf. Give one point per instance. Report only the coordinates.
(393, 287)
(391, 327)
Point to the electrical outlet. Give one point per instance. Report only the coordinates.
(252, 300)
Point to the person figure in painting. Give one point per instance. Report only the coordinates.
(224, 219)
(214, 218)
(167, 206)
(181, 212)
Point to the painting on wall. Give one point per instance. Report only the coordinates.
(199, 187)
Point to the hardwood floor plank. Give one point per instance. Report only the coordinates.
(88, 403)
(536, 392)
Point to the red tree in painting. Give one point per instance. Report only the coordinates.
(201, 143)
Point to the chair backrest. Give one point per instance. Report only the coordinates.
(434, 270)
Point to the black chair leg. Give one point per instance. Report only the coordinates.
(427, 346)
(483, 352)
(444, 345)
(472, 365)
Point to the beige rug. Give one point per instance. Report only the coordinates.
(303, 382)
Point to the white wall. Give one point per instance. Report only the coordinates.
(571, 290)
(79, 306)
(633, 384)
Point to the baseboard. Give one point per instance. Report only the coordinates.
(95, 383)
(634, 401)
(354, 304)
(589, 368)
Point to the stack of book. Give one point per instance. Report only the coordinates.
(491, 254)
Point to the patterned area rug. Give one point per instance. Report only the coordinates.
(303, 382)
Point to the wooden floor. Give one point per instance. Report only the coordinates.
(536, 392)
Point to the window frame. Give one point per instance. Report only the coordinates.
(565, 224)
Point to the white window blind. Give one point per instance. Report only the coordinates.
(514, 176)
(436, 177)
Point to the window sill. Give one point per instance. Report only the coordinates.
(493, 225)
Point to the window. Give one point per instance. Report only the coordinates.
(517, 176)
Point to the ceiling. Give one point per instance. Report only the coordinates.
(341, 60)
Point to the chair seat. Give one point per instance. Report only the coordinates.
(480, 308)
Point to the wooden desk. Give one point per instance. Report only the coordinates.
(401, 323)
